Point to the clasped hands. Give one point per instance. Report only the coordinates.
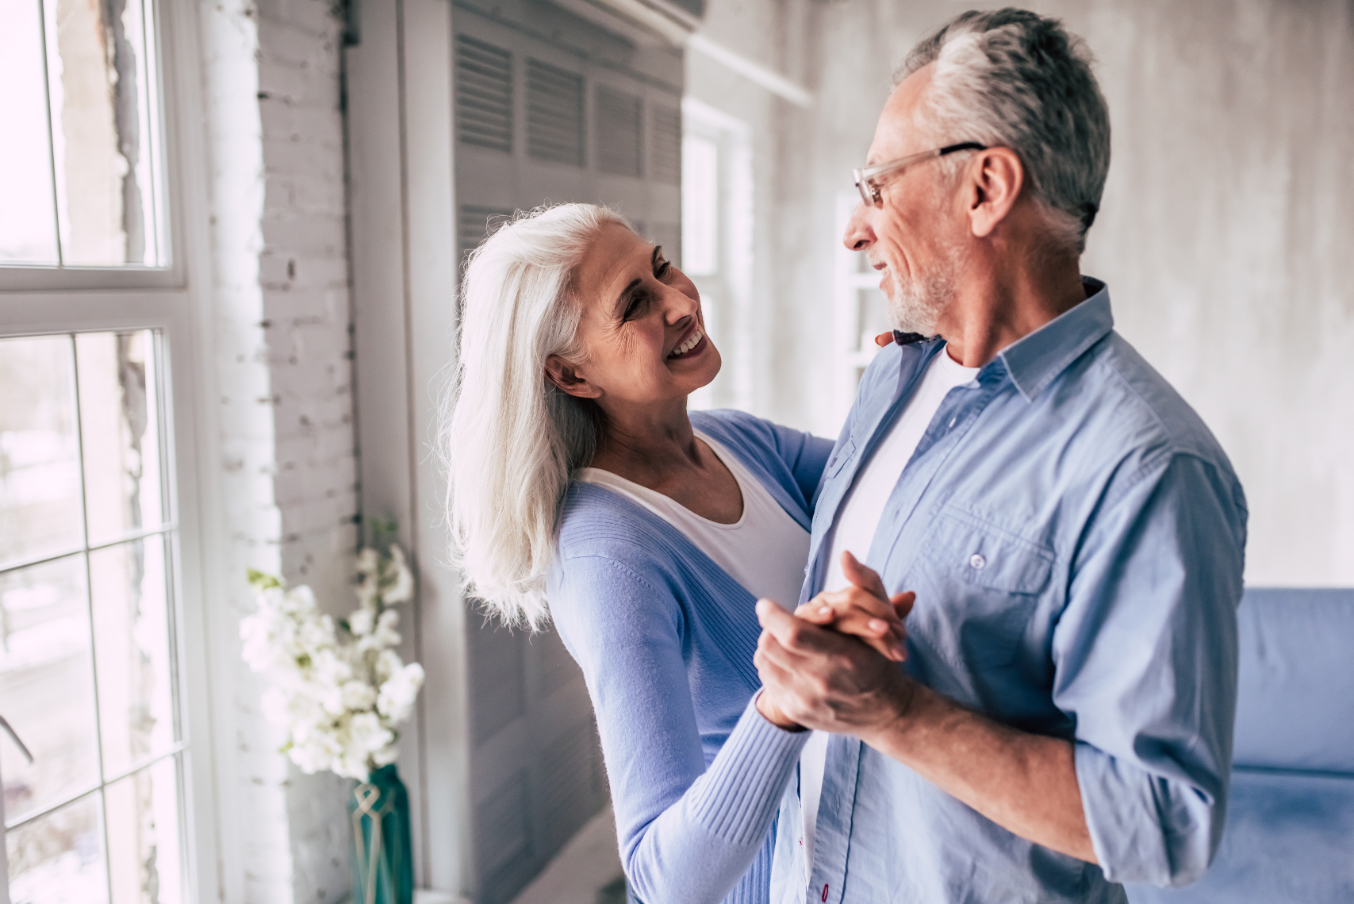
(833, 663)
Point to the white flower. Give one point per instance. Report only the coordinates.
(383, 633)
(368, 561)
(357, 696)
(361, 622)
(388, 662)
(397, 694)
(338, 700)
(401, 588)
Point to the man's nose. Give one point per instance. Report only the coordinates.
(858, 235)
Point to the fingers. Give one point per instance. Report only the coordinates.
(782, 626)
(903, 603)
(865, 578)
(817, 612)
(884, 339)
(875, 633)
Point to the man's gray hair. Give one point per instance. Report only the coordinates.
(1013, 78)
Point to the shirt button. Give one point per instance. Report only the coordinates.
(954, 420)
(977, 562)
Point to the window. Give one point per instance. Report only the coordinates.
(87, 671)
(93, 677)
(717, 245)
(859, 313)
(80, 169)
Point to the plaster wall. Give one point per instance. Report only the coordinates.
(1224, 233)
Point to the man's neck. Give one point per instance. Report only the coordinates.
(1002, 304)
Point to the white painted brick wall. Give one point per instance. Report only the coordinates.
(284, 370)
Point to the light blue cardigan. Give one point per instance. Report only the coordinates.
(665, 639)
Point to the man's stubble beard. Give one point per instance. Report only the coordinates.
(916, 306)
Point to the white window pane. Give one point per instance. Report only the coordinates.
(700, 205)
(46, 685)
(119, 433)
(58, 858)
(131, 651)
(105, 133)
(143, 836)
(27, 215)
(40, 512)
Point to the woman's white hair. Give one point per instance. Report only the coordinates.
(511, 439)
(1016, 79)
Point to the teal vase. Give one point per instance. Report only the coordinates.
(383, 861)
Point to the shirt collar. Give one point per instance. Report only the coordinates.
(1034, 361)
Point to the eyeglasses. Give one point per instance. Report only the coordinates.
(867, 178)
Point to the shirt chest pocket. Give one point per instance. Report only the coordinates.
(977, 589)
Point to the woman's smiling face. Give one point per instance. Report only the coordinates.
(641, 328)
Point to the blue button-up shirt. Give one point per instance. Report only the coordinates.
(1075, 537)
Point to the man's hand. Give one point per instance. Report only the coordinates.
(863, 609)
(818, 678)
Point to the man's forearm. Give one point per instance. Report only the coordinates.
(1024, 782)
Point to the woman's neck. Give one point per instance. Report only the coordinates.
(643, 446)
(659, 450)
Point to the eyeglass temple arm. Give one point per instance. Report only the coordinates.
(14, 736)
(961, 146)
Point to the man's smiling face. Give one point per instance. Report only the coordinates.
(916, 238)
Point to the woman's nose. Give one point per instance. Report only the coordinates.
(679, 306)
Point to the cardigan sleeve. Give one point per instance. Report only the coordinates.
(687, 833)
(804, 454)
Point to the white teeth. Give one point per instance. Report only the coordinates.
(688, 345)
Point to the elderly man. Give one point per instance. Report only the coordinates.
(1073, 532)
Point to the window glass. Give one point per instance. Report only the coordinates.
(142, 813)
(27, 208)
(89, 148)
(40, 510)
(59, 856)
(700, 206)
(131, 649)
(87, 668)
(119, 434)
(46, 686)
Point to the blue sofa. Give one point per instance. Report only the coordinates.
(1290, 816)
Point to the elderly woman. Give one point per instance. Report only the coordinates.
(577, 475)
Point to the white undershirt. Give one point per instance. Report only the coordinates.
(764, 550)
(857, 521)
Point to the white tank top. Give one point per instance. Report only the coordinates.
(764, 550)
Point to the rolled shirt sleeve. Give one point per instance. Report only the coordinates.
(1146, 663)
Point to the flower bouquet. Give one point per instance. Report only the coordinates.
(341, 696)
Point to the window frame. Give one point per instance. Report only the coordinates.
(38, 300)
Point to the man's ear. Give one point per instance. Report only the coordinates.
(567, 378)
(994, 180)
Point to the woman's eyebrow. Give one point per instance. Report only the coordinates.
(624, 300)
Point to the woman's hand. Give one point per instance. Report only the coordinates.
(863, 609)
(772, 713)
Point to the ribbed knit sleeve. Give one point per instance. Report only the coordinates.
(687, 833)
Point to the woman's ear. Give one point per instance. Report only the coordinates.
(566, 377)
